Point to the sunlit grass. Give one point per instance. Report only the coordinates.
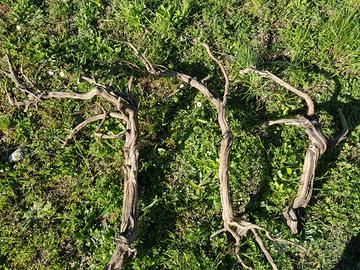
(60, 208)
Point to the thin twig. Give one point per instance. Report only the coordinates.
(268, 75)
(15, 79)
(226, 77)
(27, 79)
(205, 79)
(82, 125)
(264, 249)
(345, 130)
(102, 120)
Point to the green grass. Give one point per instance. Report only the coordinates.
(60, 208)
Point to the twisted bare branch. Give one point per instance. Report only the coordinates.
(82, 125)
(14, 78)
(226, 77)
(126, 110)
(317, 147)
(238, 228)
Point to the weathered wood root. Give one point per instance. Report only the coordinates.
(318, 145)
(125, 109)
(316, 148)
(122, 255)
(238, 228)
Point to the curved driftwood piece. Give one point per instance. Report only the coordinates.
(237, 227)
(318, 145)
(125, 109)
(316, 148)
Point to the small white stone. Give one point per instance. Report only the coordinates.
(198, 104)
(17, 155)
(18, 27)
(62, 74)
(182, 86)
(50, 72)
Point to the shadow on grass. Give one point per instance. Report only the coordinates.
(159, 221)
(350, 260)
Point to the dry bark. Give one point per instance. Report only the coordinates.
(237, 227)
(125, 109)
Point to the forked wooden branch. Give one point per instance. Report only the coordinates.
(126, 110)
(237, 227)
(318, 145)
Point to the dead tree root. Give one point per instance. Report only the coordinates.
(240, 229)
(317, 147)
(122, 255)
(124, 108)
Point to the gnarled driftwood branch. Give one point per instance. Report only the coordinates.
(125, 109)
(237, 227)
(318, 145)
